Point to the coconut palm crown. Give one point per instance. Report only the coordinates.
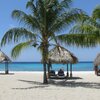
(42, 25)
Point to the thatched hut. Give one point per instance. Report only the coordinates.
(4, 59)
(61, 55)
(96, 64)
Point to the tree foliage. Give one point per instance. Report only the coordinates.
(45, 21)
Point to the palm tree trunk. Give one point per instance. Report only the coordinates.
(45, 81)
(45, 54)
(49, 65)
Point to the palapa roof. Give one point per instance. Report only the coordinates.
(61, 55)
(97, 60)
(4, 57)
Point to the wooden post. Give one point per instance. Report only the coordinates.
(70, 70)
(67, 71)
(96, 70)
(6, 67)
(49, 66)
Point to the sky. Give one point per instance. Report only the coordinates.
(31, 54)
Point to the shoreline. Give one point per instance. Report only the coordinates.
(42, 71)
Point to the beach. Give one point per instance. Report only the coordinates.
(28, 86)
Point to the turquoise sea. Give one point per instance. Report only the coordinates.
(36, 66)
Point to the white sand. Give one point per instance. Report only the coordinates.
(28, 86)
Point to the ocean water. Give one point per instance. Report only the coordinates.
(35, 66)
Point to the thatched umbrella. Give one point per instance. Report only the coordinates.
(96, 63)
(4, 58)
(61, 55)
(97, 60)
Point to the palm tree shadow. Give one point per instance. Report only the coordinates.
(73, 84)
(61, 83)
(37, 85)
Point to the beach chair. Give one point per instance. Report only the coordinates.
(61, 74)
(52, 73)
(98, 72)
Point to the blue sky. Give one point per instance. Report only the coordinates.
(6, 22)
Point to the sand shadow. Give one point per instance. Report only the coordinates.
(74, 84)
(71, 82)
(32, 82)
(7, 74)
(37, 85)
(74, 78)
(34, 87)
(65, 78)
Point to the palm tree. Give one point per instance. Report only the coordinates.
(41, 26)
(96, 13)
(87, 30)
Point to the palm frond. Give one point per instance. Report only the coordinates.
(81, 40)
(66, 3)
(66, 19)
(84, 28)
(31, 6)
(17, 34)
(28, 20)
(96, 13)
(18, 48)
